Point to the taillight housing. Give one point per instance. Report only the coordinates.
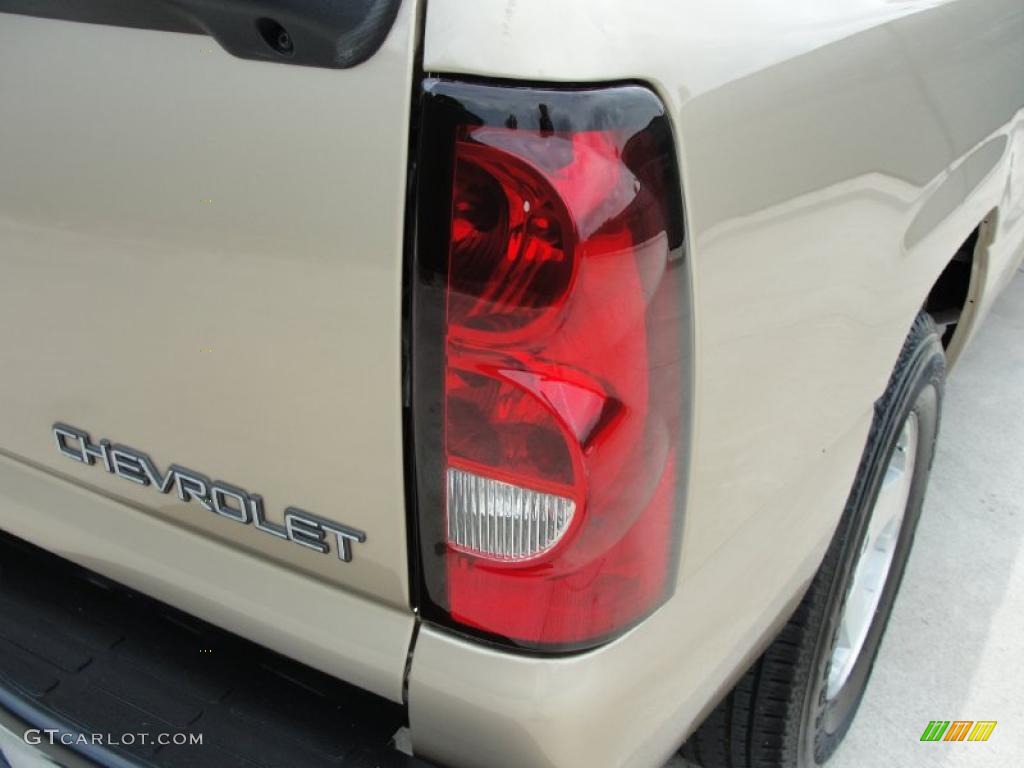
(549, 340)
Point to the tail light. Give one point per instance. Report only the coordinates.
(549, 330)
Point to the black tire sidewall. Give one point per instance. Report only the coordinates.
(916, 385)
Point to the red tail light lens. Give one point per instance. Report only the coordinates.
(549, 332)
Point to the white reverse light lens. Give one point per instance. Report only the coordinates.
(503, 521)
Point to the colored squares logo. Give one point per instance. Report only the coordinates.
(958, 730)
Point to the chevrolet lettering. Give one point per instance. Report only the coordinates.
(217, 496)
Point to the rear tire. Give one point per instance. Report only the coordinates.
(795, 704)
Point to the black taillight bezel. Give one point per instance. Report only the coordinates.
(443, 106)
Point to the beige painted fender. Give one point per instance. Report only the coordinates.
(834, 156)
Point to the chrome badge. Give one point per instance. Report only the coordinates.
(230, 501)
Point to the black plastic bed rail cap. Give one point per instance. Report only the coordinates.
(316, 33)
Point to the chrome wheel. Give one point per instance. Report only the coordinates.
(872, 568)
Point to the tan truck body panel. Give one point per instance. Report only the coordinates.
(202, 260)
(834, 155)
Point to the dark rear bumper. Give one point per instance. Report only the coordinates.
(124, 679)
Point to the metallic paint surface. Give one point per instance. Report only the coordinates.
(834, 156)
(202, 255)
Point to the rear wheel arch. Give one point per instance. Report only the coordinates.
(955, 296)
(780, 712)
